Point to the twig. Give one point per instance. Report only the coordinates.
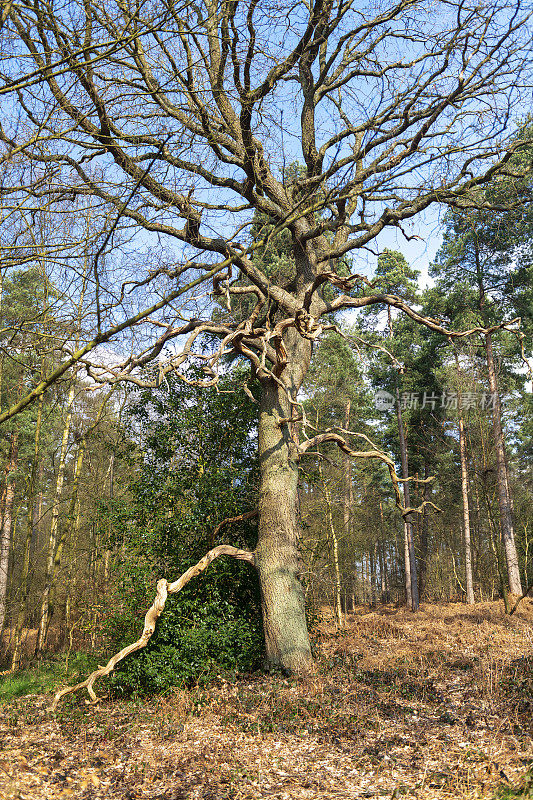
(239, 518)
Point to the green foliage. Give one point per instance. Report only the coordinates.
(197, 467)
(394, 275)
(199, 636)
(334, 379)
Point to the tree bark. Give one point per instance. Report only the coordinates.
(46, 608)
(24, 580)
(466, 512)
(373, 578)
(424, 536)
(7, 520)
(70, 530)
(334, 551)
(348, 486)
(385, 594)
(276, 556)
(502, 478)
(411, 582)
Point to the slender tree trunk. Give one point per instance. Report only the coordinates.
(73, 544)
(494, 544)
(373, 577)
(24, 580)
(282, 597)
(348, 485)
(37, 516)
(385, 594)
(46, 606)
(68, 528)
(334, 551)
(464, 490)
(71, 531)
(466, 512)
(411, 583)
(338, 585)
(498, 559)
(381, 567)
(504, 499)
(7, 521)
(424, 535)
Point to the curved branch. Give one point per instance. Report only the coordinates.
(152, 615)
(344, 301)
(522, 597)
(240, 518)
(330, 435)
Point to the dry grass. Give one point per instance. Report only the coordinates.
(430, 706)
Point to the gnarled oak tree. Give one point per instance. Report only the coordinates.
(178, 119)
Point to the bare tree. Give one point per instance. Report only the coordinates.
(184, 132)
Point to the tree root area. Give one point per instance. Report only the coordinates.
(433, 705)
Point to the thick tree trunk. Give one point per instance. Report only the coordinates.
(504, 499)
(276, 555)
(7, 520)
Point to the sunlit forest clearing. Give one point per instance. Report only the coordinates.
(437, 705)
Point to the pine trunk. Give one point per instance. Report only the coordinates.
(411, 582)
(373, 577)
(466, 514)
(424, 536)
(334, 551)
(504, 499)
(348, 486)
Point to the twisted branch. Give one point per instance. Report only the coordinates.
(152, 615)
(333, 435)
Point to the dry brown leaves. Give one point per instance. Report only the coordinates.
(428, 706)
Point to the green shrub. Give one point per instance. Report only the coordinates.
(198, 636)
(197, 466)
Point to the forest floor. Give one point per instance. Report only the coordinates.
(429, 706)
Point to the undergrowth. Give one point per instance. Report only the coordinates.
(522, 792)
(46, 676)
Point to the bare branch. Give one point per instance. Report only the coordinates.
(331, 435)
